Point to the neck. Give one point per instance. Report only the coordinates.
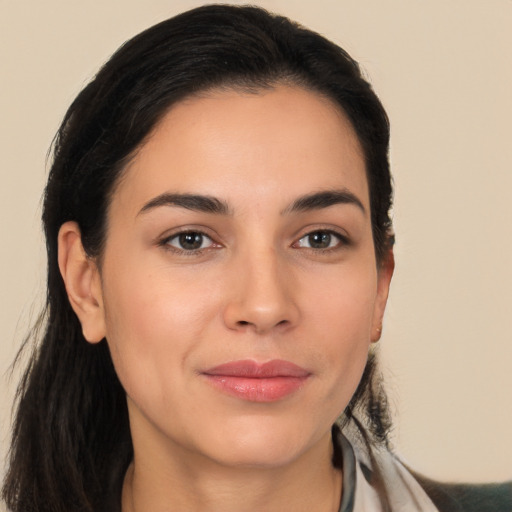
(166, 481)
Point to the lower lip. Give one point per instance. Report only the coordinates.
(266, 389)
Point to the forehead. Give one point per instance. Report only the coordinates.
(239, 146)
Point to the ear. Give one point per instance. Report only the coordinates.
(82, 280)
(384, 275)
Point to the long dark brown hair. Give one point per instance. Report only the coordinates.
(71, 441)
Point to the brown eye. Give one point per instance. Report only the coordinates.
(190, 241)
(321, 239)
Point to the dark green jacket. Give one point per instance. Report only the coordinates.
(467, 497)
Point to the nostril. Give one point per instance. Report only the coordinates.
(245, 323)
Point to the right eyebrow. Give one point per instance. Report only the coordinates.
(195, 202)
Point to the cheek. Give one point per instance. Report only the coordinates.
(341, 317)
(154, 322)
(343, 302)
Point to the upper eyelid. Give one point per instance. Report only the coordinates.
(164, 241)
(308, 230)
(171, 233)
(178, 233)
(343, 238)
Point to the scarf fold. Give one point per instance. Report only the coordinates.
(405, 494)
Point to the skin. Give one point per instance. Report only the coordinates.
(257, 289)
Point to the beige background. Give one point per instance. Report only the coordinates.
(443, 70)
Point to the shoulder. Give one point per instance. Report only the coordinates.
(450, 497)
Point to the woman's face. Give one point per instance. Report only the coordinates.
(239, 285)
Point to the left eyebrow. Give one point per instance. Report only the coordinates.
(323, 199)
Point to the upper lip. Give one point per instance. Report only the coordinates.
(253, 370)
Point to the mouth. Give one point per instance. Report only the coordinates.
(255, 382)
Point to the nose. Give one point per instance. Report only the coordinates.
(262, 298)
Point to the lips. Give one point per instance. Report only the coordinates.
(255, 382)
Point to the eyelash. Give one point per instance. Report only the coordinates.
(166, 243)
(342, 241)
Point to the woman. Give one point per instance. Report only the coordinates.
(219, 259)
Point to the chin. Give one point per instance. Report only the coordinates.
(262, 443)
(257, 456)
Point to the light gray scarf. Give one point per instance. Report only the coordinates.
(404, 492)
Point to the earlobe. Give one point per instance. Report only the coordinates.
(82, 280)
(385, 274)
